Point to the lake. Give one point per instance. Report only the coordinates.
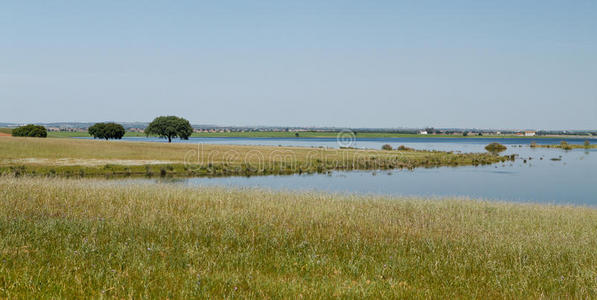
(538, 175)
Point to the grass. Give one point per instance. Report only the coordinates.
(76, 157)
(5, 130)
(87, 238)
(565, 146)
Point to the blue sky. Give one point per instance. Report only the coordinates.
(485, 64)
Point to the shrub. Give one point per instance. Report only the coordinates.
(30, 131)
(587, 144)
(495, 147)
(533, 144)
(386, 147)
(404, 148)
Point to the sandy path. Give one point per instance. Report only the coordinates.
(4, 134)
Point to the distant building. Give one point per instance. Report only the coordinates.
(529, 133)
(422, 132)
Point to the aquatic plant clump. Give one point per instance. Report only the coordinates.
(495, 148)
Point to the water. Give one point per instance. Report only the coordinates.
(572, 179)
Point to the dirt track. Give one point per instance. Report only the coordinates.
(4, 134)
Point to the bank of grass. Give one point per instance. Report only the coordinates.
(5, 130)
(78, 157)
(87, 238)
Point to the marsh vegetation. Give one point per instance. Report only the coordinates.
(93, 238)
(73, 157)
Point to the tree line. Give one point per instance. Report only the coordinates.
(167, 127)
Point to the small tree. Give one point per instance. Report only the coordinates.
(106, 131)
(30, 131)
(170, 127)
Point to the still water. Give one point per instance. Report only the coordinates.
(538, 175)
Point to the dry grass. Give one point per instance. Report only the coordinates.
(93, 238)
(34, 155)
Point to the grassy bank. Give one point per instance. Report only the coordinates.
(75, 157)
(89, 238)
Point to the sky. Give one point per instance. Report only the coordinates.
(467, 64)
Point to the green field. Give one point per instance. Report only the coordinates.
(82, 157)
(63, 238)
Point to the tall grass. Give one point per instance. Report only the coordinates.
(92, 238)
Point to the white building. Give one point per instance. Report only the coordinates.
(422, 132)
(529, 133)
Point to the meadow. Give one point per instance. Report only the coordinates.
(93, 238)
(80, 157)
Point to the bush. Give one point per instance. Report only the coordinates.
(533, 144)
(386, 147)
(30, 131)
(404, 148)
(587, 144)
(495, 147)
(106, 131)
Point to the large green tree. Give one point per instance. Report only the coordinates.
(30, 131)
(106, 131)
(170, 127)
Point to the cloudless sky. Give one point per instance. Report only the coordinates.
(484, 64)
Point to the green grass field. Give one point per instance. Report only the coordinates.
(63, 238)
(81, 157)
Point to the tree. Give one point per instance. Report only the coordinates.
(106, 131)
(30, 131)
(170, 127)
